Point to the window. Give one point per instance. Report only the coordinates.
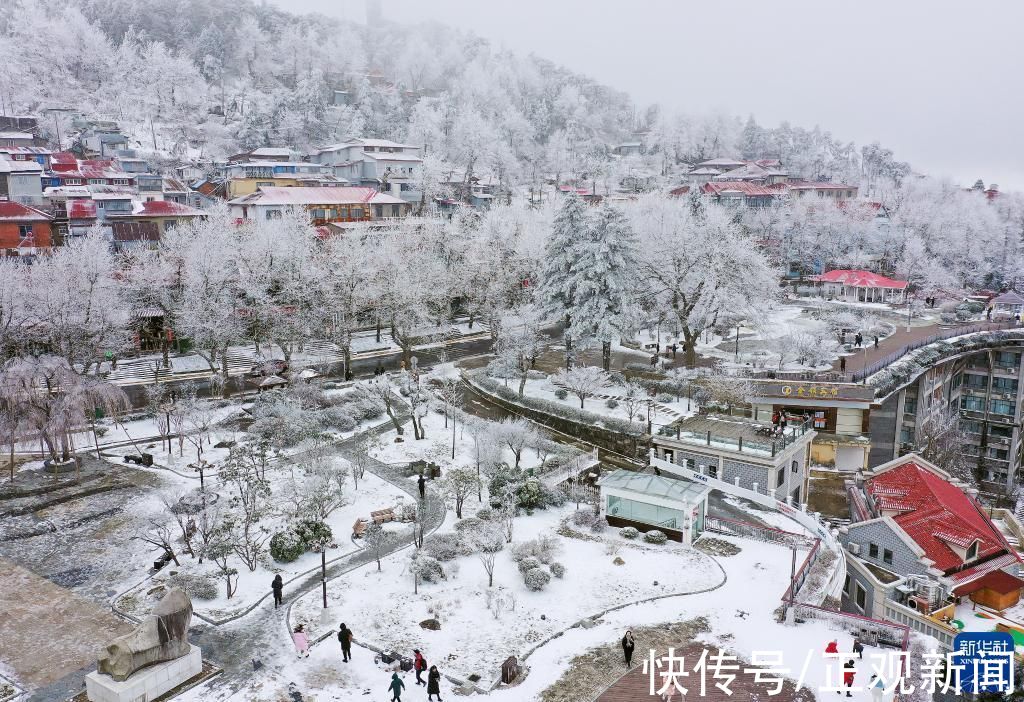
(781, 477)
(907, 435)
(1002, 407)
(273, 214)
(1007, 359)
(357, 212)
(846, 584)
(1004, 432)
(97, 181)
(24, 230)
(873, 550)
(73, 181)
(972, 552)
(861, 597)
(120, 181)
(999, 454)
(887, 556)
(975, 382)
(971, 427)
(972, 404)
(643, 512)
(910, 405)
(957, 380)
(795, 467)
(264, 183)
(1001, 384)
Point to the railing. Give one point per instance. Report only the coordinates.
(766, 447)
(874, 631)
(858, 376)
(733, 527)
(789, 596)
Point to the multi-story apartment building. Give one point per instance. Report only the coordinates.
(984, 387)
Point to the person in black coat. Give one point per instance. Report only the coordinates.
(628, 644)
(345, 639)
(433, 684)
(278, 587)
(422, 483)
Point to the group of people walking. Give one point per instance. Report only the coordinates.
(345, 639)
(876, 686)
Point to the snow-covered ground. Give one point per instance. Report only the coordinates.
(382, 608)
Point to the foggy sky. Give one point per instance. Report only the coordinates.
(939, 82)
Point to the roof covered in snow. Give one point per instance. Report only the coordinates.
(162, 208)
(724, 187)
(8, 166)
(861, 279)
(655, 486)
(11, 211)
(1008, 298)
(936, 514)
(317, 196)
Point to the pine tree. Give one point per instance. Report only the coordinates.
(603, 277)
(561, 252)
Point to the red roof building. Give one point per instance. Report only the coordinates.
(24, 230)
(948, 524)
(860, 286)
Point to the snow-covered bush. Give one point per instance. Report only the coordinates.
(544, 548)
(535, 375)
(641, 367)
(557, 569)
(611, 403)
(312, 532)
(286, 546)
(485, 514)
(616, 378)
(468, 525)
(198, 587)
(664, 397)
(447, 547)
(561, 393)
(655, 537)
(536, 579)
(527, 564)
(589, 519)
(338, 418)
(428, 569)
(629, 532)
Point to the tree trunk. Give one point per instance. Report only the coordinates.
(606, 355)
(691, 351)
(225, 391)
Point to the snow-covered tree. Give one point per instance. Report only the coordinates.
(557, 293)
(582, 381)
(604, 277)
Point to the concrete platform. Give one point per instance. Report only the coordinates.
(147, 684)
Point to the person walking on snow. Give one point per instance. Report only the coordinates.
(396, 688)
(301, 642)
(345, 639)
(876, 342)
(628, 644)
(278, 587)
(433, 684)
(877, 687)
(832, 647)
(842, 364)
(419, 665)
(422, 484)
(858, 648)
(848, 673)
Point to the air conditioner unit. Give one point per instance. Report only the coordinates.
(853, 548)
(919, 604)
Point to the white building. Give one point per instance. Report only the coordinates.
(386, 165)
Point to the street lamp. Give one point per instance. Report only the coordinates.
(737, 354)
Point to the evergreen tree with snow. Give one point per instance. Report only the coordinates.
(562, 250)
(603, 277)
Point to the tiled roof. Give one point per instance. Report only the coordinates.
(317, 196)
(936, 514)
(861, 279)
(11, 211)
(162, 208)
(807, 185)
(997, 580)
(718, 187)
(1008, 298)
(81, 208)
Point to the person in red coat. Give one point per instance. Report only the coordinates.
(420, 666)
(833, 647)
(848, 673)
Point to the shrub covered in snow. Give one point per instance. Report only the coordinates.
(468, 525)
(447, 547)
(286, 546)
(561, 393)
(664, 397)
(655, 537)
(544, 548)
(199, 587)
(527, 563)
(611, 403)
(616, 378)
(485, 514)
(429, 569)
(536, 579)
(557, 569)
(629, 532)
(338, 418)
(589, 519)
(312, 532)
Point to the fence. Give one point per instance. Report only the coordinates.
(770, 445)
(858, 376)
(868, 630)
(734, 527)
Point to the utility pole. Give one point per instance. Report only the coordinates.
(790, 611)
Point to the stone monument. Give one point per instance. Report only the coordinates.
(151, 660)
